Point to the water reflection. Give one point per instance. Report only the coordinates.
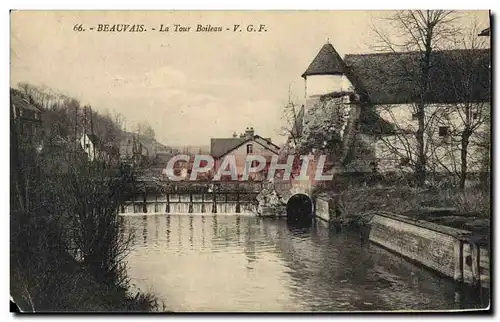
(167, 231)
(157, 228)
(179, 230)
(238, 229)
(203, 221)
(233, 263)
(145, 229)
(191, 232)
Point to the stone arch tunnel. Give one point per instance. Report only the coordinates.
(299, 207)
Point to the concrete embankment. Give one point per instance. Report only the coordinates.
(452, 252)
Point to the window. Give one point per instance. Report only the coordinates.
(474, 116)
(255, 163)
(404, 162)
(414, 116)
(249, 148)
(444, 131)
(28, 129)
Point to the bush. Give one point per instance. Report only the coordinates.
(404, 199)
(57, 213)
(473, 200)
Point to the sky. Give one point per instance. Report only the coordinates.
(190, 86)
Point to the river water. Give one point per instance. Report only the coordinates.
(228, 263)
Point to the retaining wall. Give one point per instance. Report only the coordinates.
(449, 251)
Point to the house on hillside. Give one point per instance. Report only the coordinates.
(132, 150)
(160, 161)
(181, 169)
(247, 143)
(96, 149)
(144, 147)
(27, 116)
(377, 95)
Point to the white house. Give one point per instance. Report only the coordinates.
(96, 149)
(378, 90)
(89, 144)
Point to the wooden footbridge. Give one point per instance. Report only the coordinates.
(153, 196)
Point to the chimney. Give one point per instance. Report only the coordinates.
(249, 132)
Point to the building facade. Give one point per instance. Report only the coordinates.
(376, 98)
(239, 147)
(28, 117)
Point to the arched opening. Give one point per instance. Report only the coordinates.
(299, 208)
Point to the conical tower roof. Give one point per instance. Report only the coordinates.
(327, 62)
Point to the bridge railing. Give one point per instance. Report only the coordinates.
(199, 187)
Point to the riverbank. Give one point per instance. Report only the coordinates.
(67, 287)
(44, 277)
(67, 247)
(467, 209)
(411, 223)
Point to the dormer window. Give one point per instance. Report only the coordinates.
(249, 148)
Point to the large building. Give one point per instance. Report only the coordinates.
(240, 146)
(378, 96)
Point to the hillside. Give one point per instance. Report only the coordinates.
(64, 120)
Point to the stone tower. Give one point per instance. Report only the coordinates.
(325, 75)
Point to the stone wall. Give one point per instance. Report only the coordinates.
(443, 249)
(322, 208)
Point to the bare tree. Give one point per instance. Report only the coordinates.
(468, 80)
(292, 118)
(144, 128)
(120, 120)
(420, 31)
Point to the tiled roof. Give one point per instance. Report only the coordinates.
(391, 78)
(20, 102)
(221, 146)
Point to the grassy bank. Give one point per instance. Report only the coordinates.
(65, 285)
(468, 209)
(65, 260)
(68, 246)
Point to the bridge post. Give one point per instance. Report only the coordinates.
(168, 203)
(214, 205)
